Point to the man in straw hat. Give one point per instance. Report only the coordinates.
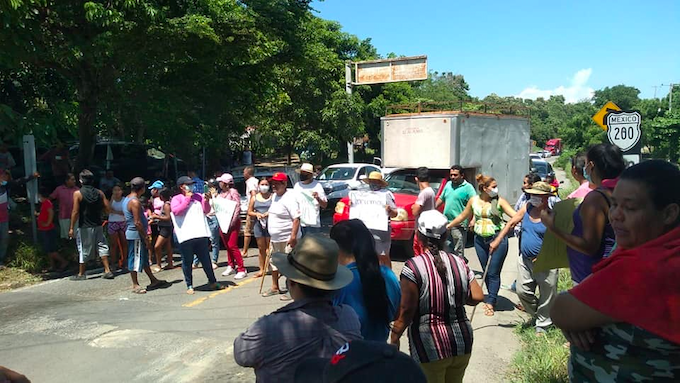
(530, 245)
(308, 327)
(312, 199)
(378, 187)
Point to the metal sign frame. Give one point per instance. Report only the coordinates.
(390, 65)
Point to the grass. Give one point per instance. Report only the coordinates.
(13, 278)
(542, 359)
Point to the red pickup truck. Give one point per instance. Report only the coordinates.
(402, 184)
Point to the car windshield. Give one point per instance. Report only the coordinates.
(405, 183)
(337, 174)
(541, 168)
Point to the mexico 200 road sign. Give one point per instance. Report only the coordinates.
(624, 129)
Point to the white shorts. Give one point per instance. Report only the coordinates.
(91, 241)
(277, 247)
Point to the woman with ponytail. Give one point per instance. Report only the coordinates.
(374, 292)
(435, 287)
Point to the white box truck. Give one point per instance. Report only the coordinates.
(492, 144)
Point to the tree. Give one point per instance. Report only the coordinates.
(625, 97)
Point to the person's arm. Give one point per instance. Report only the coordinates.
(438, 203)
(180, 204)
(234, 196)
(320, 197)
(407, 309)
(593, 220)
(507, 209)
(517, 218)
(466, 214)
(166, 210)
(75, 212)
(570, 314)
(251, 346)
(54, 196)
(204, 202)
(251, 209)
(134, 207)
(415, 210)
(476, 293)
(391, 206)
(293, 234)
(22, 180)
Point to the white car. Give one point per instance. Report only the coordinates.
(337, 180)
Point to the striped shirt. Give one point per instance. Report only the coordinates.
(440, 328)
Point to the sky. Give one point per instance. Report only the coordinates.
(527, 48)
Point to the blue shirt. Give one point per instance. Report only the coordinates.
(532, 236)
(352, 295)
(198, 185)
(131, 231)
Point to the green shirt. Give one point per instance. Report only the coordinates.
(456, 198)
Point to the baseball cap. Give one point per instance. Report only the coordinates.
(226, 178)
(185, 180)
(361, 361)
(280, 177)
(432, 224)
(158, 184)
(137, 181)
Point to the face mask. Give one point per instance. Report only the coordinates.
(264, 189)
(586, 175)
(186, 188)
(493, 192)
(536, 200)
(305, 176)
(375, 187)
(3, 183)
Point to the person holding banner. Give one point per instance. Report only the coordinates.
(229, 234)
(191, 227)
(375, 208)
(258, 209)
(312, 198)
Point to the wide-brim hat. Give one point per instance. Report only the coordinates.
(307, 168)
(375, 177)
(540, 188)
(314, 262)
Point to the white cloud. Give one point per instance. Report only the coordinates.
(576, 91)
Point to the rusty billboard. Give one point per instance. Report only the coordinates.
(391, 70)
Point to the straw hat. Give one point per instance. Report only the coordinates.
(540, 188)
(314, 263)
(307, 168)
(375, 177)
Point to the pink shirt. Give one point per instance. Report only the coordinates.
(158, 205)
(64, 196)
(581, 192)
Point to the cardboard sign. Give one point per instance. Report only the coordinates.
(369, 207)
(553, 254)
(224, 211)
(192, 224)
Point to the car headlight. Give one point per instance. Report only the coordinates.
(339, 207)
(402, 215)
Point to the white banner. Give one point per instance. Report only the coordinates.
(224, 211)
(369, 208)
(308, 209)
(192, 224)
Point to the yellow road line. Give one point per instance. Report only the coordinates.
(219, 292)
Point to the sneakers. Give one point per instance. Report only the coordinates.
(228, 271)
(78, 277)
(108, 275)
(241, 275)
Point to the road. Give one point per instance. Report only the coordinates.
(97, 330)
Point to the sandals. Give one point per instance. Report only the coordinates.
(259, 274)
(159, 283)
(169, 267)
(190, 291)
(488, 310)
(155, 269)
(139, 290)
(270, 293)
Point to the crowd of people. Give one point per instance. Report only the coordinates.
(349, 310)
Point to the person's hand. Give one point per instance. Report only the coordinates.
(36, 175)
(208, 196)
(259, 215)
(7, 375)
(394, 340)
(70, 233)
(580, 339)
(388, 209)
(548, 218)
(292, 242)
(315, 195)
(494, 245)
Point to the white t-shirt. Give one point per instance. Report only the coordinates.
(309, 206)
(282, 212)
(252, 184)
(426, 199)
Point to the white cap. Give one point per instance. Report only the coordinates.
(432, 224)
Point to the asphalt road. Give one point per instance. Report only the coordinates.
(98, 331)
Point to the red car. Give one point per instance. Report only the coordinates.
(402, 183)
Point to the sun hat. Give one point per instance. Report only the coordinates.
(280, 177)
(185, 180)
(307, 168)
(375, 177)
(226, 178)
(361, 361)
(158, 184)
(432, 224)
(540, 188)
(314, 262)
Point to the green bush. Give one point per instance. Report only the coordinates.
(27, 257)
(564, 160)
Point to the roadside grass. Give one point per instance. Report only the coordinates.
(542, 359)
(14, 278)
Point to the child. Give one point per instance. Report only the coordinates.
(47, 235)
(148, 213)
(164, 240)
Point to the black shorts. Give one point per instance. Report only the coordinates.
(48, 240)
(165, 231)
(154, 230)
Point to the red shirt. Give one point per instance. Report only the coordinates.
(44, 215)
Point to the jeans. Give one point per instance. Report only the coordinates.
(310, 230)
(230, 240)
(214, 227)
(493, 276)
(199, 247)
(457, 239)
(4, 241)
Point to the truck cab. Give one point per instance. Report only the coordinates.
(554, 146)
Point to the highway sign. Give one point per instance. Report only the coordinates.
(624, 129)
(600, 115)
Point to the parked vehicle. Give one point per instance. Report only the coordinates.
(545, 153)
(537, 156)
(337, 180)
(542, 168)
(554, 146)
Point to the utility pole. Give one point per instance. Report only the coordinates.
(670, 97)
(348, 89)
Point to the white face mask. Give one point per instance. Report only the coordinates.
(536, 200)
(493, 192)
(264, 189)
